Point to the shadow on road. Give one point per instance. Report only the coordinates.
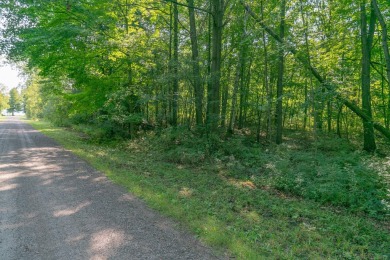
(55, 206)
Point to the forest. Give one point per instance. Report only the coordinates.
(290, 98)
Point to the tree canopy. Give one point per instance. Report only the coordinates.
(211, 64)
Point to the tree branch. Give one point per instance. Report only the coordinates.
(196, 8)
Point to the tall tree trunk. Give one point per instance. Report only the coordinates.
(385, 40)
(266, 84)
(175, 63)
(244, 93)
(309, 61)
(367, 40)
(225, 97)
(329, 116)
(239, 83)
(279, 85)
(168, 96)
(198, 86)
(213, 95)
(338, 126)
(305, 106)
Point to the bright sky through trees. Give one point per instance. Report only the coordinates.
(9, 76)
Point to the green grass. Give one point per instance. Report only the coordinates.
(231, 200)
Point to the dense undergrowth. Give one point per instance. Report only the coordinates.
(328, 170)
(304, 199)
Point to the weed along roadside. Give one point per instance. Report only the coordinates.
(278, 202)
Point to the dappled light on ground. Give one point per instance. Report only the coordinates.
(70, 210)
(106, 239)
(55, 206)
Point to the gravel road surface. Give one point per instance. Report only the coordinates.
(53, 205)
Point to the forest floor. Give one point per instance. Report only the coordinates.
(305, 199)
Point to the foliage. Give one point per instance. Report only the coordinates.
(32, 100)
(56, 109)
(337, 176)
(3, 98)
(15, 101)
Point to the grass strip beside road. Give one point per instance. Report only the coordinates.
(251, 223)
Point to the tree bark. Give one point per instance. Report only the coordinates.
(279, 84)
(338, 122)
(175, 63)
(213, 95)
(225, 96)
(267, 86)
(198, 86)
(367, 40)
(239, 78)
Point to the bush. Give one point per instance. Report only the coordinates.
(342, 179)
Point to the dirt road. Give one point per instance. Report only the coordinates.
(55, 206)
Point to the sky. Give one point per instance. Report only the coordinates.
(9, 76)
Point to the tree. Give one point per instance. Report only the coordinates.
(213, 93)
(33, 99)
(174, 64)
(3, 98)
(367, 42)
(279, 89)
(197, 81)
(15, 101)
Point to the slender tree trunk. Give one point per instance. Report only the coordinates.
(244, 92)
(247, 82)
(384, 97)
(305, 107)
(339, 113)
(225, 96)
(213, 95)
(198, 86)
(175, 63)
(329, 116)
(239, 82)
(209, 47)
(259, 114)
(310, 79)
(385, 38)
(279, 85)
(387, 110)
(367, 40)
(233, 111)
(266, 84)
(168, 95)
